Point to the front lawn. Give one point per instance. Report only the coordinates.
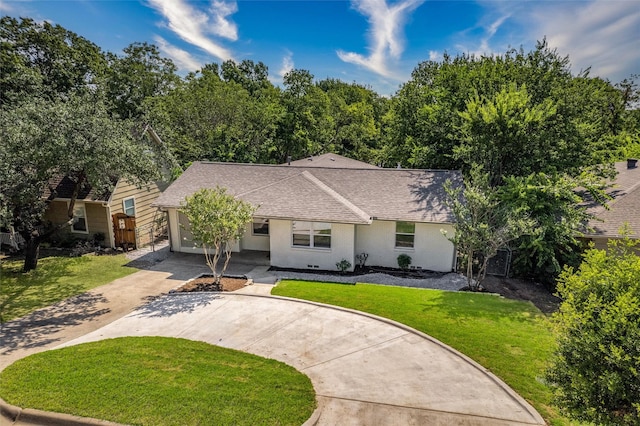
(160, 381)
(510, 338)
(55, 279)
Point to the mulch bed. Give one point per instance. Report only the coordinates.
(207, 284)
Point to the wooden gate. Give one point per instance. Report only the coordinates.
(124, 231)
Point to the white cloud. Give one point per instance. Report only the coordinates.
(222, 26)
(491, 31)
(601, 34)
(479, 39)
(385, 34)
(193, 25)
(434, 55)
(287, 65)
(5, 7)
(183, 60)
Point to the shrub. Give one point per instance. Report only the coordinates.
(594, 373)
(404, 260)
(343, 265)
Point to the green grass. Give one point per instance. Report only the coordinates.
(510, 338)
(55, 279)
(160, 381)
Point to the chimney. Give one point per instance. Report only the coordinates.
(632, 163)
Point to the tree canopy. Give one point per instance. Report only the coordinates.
(77, 138)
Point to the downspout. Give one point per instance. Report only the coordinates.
(112, 238)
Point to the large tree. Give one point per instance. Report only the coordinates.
(482, 223)
(216, 220)
(75, 137)
(560, 216)
(306, 126)
(525, 100)
(356, 112)
(139, 74)
(209, 118)
(44, 60)
(595, 372)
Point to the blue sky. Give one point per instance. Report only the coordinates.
(373, 42)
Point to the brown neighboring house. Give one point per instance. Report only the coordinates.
(124, 216)
(624, 207)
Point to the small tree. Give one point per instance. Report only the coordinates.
(595, 370)
(483, 223)
(217, 219)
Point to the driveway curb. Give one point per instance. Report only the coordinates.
(31, 416)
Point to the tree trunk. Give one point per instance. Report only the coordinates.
(31, 252)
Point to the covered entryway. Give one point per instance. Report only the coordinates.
(124, 231)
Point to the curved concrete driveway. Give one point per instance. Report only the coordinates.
(365, 370)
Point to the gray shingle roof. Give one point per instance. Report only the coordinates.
(623, 208)
(333, 161)
(345, 195)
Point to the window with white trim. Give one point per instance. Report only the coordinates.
(79, 219)
(405, 234)
(129, 206)
(260, 227)
(311, 234)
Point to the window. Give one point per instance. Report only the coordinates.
(405, 234)
(311, 234)
(129, 206)
(260, 227)
(79, 219)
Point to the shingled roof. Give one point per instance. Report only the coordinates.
(623, 208)
(62, 187)
(333, 161)
(327, 194)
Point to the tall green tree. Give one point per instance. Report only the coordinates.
(139, 74)
(594, 372)
(509, 136)
(252, 76)
(216, 220)
(355, 110)
(44, 60)
(209, 118)
(306, 126)
(76, 137)
(449, 105)
(560, 215)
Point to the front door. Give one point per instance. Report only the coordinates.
(124, 231)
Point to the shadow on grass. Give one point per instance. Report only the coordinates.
(38, 328)
(41, 283)
(175, 304)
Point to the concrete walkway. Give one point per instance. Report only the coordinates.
(365, 370)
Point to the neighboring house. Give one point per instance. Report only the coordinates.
(124, 216)
(312, 217)
(624, 208)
